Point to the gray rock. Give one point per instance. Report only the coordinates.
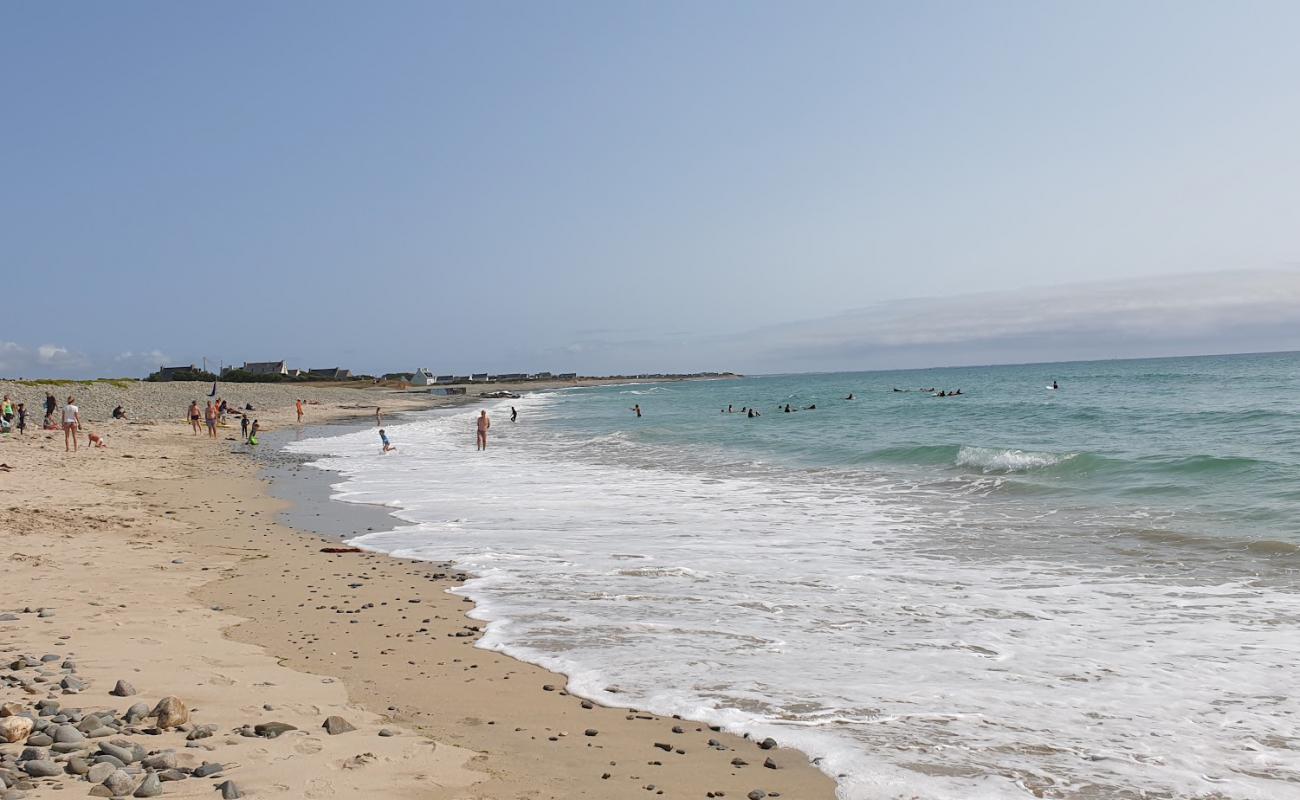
(98, 773)
(387, 732)
(45, 613)
(159, 761)
(171, 775)
(770, 764)
(69, 747)
(78, 765)
(32, 754)
(89, 723)
(757, 794)
(8, 617)
(100, 791)
(72, 684)
(68, 733)
(151, 786)
(200, 732)
(739, 762)
(270, 730)
(101, 732)
(336, 725)
(104, 758)
(590, 732)
(40, 740)
(229, 791)
(207, 768)
(124, 754)
(48, 657)
(42, 768)
(120, 783)
(136, 713)
(767, 744)
(122, 689)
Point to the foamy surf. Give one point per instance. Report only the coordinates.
(900, 631)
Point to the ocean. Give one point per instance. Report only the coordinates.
(1087, 592)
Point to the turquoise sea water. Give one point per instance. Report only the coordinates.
(1089, 592)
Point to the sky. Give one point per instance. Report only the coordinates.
(644, 186)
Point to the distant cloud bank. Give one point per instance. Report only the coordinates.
(1178, 315)
(1223, 312)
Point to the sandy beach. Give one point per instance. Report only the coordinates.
(160, 562)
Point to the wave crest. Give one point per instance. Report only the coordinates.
(992, 459)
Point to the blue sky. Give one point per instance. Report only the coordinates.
(610, 187)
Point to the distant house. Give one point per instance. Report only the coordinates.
(510, 376)
(331, 374)
(295, 373)
(541, 376)
(460, 379)
(265, 367)
(479, 377)
(422, 377)
(169, 373)
(445, 379)
(567, 376)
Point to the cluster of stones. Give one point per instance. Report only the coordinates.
(62, 743)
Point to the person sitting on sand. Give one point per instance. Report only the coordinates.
(50, 404)
(71, 424)
(383, 437)
(96, 440)
(119, 413)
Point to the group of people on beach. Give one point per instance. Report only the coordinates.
(13, 417)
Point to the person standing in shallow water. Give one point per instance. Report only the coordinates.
(514, 415)
(483, 424)
(637, 409)
(298, 405)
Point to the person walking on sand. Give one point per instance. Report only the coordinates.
(210, 417)
(298, 404)
(71, 424)
(22, 418)
(194, 416)
(483, 424)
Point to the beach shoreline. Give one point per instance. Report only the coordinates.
(184, 546)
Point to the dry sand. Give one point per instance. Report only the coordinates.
(164, 565)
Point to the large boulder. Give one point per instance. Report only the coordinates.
(15, 729)
(171, 712)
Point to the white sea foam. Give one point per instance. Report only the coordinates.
(844, 622)
(991, 459)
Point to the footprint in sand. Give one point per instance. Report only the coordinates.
(319, 787)
(308, 747)
(218, 679)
